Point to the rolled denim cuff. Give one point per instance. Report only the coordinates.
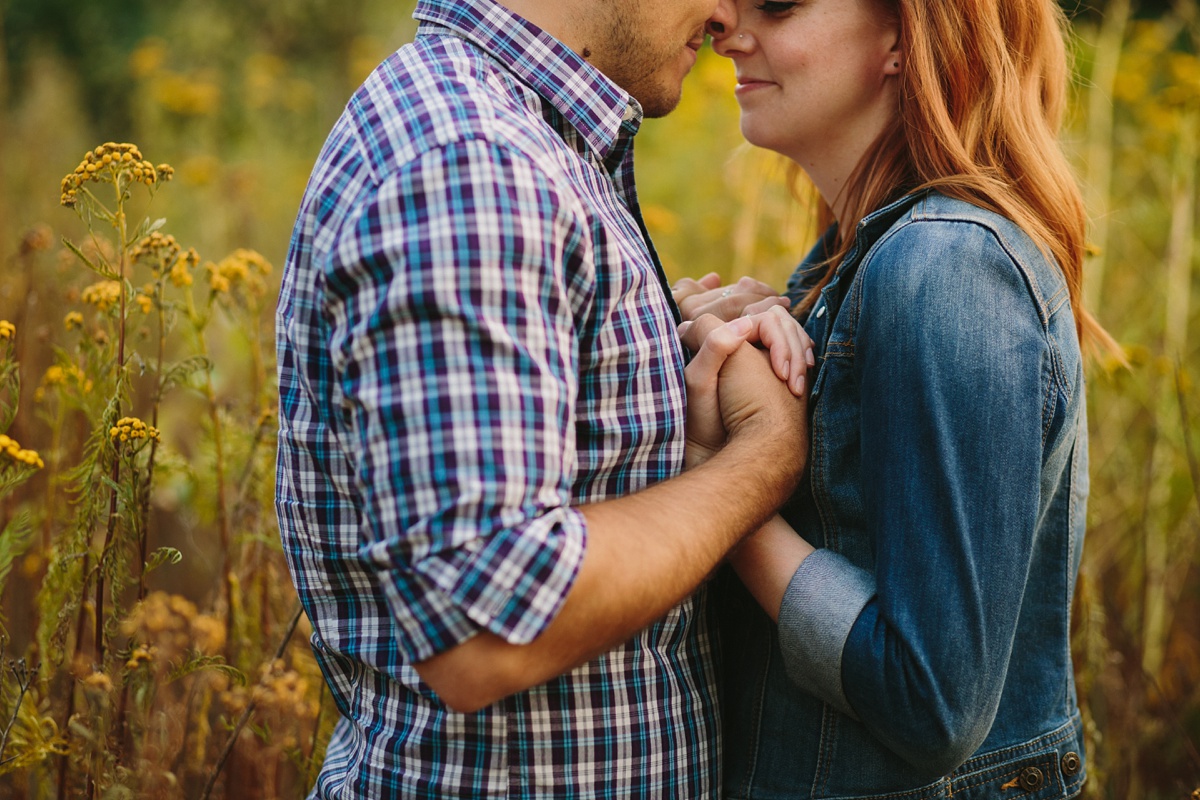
(822, 601)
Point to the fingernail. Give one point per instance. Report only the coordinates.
(810, 358)
(787, 370)
(800, 387)
(741, 326)
(683, 326)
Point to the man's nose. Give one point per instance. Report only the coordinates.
(723, 21)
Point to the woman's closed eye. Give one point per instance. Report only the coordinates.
(776, 6)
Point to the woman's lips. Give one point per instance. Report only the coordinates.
(749, 85)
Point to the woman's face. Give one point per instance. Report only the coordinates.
(815, 77)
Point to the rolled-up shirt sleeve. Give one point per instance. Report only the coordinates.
(450, 308)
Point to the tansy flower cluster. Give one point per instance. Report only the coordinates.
(73, 320)
(142, 654)
(57, 375)
(7, 330)
(161, 250)
(128, 429)
(109, 163)
(103, 295)
(156, 247)
(170, 627)
(242, 267)
(281, 697)
(13, 450)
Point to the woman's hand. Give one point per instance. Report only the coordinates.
(775, 330)
(707, 296)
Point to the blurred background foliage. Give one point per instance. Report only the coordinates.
(238, 96)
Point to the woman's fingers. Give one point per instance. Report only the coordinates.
(685, 288)
(707, 296)
(790, 348)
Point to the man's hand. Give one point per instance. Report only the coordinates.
(720, 395)
(707, 296)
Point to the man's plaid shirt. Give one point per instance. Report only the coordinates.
(474, 339)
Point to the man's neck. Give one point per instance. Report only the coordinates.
(559, 18)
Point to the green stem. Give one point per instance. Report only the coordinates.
(245, 717)
(115, 473)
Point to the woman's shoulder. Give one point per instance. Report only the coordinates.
(942, 241)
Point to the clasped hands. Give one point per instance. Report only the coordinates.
(735, 388)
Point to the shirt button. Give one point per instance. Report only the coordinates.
(1071, 764)
(629, 113)
(820, 312)
(1032, 779)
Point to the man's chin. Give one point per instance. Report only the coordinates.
(661, 102)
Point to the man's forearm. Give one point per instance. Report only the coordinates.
(645, 554)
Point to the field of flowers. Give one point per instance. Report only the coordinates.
(151, 644)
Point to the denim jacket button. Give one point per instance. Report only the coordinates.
(1032, 779)
(1071, 764)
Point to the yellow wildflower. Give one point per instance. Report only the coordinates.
(129, 429)
(157, 247)
(142, 654)
(13, 450)
(7, 329)
(73, 320)
(181, 270)
(111, 163)
(103, 295)
(145, 303)
(241, 268)
(98, 681)
(208, 633)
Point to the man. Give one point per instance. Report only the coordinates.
(482, 419)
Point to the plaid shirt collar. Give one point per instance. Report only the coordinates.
(605, 115)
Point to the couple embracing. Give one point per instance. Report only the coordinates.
(512, 458)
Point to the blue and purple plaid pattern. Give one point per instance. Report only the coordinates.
(473, 340)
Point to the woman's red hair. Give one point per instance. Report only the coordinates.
(983, 91)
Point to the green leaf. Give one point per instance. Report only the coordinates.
(101, 270)
(181, 372)
(199, 662)
(161, 556)
(14, 542)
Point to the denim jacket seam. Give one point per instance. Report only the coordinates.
(819, 483)
(999, 757)
(1048, 404)
(1041, 301)
(1047, 762)
(748, 785)
(824, 770)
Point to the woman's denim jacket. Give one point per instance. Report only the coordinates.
(923, 650)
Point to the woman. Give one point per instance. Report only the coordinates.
(922, 577)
